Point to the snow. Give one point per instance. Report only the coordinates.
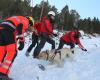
(85, 66)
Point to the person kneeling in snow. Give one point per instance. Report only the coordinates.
(71, 38)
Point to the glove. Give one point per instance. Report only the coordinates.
(21, 45)
(84, 49)
(55, 35)
(20, 38)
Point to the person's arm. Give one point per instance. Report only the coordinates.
(20, 36)
(80, 45)
(48, 26)
(19, 29)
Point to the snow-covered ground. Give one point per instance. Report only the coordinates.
(86, 65)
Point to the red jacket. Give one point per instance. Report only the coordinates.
(46, 26)
(70, 37)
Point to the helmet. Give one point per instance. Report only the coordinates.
(51, 13)
(31, 20)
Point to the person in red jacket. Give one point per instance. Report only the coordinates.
(35, 36)
(9, 29)
(45, 32)
(71, 38)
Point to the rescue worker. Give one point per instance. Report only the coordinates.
(9, 29)
(35, 37)
(71, 38)
(45, 32)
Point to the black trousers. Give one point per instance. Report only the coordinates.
(61, 44)
(44, 38)
(6, 37)
(34, 42)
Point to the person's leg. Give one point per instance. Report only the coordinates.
(8, 60)
(34, 41)
(39, 46)
(2, 53)
(61, 44)
(51, 41)
(72, 45)
(2, 47)
(10, 47)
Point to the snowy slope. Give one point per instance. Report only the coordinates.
(86, 65)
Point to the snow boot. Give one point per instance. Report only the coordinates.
(27, 53)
